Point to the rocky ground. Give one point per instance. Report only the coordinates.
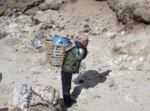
(115, 75)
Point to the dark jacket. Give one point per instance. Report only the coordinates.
(73, 59)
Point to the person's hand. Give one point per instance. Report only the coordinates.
(69, 47)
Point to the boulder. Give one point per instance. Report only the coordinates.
(142, 14)
(51, 4)
(21, 96)
(47, 93)
(36, 98)
(128, 10)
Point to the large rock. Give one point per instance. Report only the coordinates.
(142, 14)
(47, 93)
(51, 4)
(34, 98)
(28, 6)
(21, 97)
(127, 10)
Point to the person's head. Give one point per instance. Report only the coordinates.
(83, 39)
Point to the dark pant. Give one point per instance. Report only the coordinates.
(66, 78)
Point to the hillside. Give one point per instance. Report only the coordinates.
(117, 48)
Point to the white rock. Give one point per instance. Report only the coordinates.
(47, 93)
(21, 96)
(24, 96)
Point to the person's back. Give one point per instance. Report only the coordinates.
(73, 58)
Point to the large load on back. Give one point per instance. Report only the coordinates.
(55, 48)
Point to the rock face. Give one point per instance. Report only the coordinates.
(25, 97)
(28, 7)
(128, 10)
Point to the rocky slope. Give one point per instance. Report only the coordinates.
(115, 74)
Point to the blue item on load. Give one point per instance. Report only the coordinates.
(61, 40)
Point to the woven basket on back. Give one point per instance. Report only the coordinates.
(54, 53)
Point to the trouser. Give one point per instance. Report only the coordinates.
(66, 86)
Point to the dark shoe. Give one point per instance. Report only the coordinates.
(67, 101)
(73, 101)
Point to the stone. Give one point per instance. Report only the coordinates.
(35, 98)
(86, 28)
(142, 14)
(32, 11)
(21, 96)
(51, 4)
(47, 93)
(43, 17)
(2, 11)
(128, 10)
(54, 4)
(39, 40)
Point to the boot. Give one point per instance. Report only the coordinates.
(67, 101)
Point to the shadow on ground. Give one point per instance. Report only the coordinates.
(0, 76)
(3, 109)
(88, 80)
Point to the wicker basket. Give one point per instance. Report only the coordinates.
(54, 53)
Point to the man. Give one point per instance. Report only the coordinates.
(71, 65)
